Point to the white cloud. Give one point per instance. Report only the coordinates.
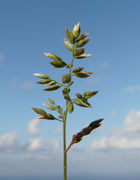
(35, 144)
(34, 127)
(125, 138)
(27, 85)
(8, 141)
(121, 143)
(131, 89)
(104, 65)
(132, 121)
(55, 144)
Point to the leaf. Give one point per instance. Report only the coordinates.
(69, 35)
(60, 111)
(83, 74)
(60, 116)
(49, 106)
(82, 56)
(70, 107)
(39, 111)
(82, 103)
(82, 42)
(65, 92)
(70, 83)
(50, 117)
(82, 36)
(79, 95)
(76, 30)
(46, 81)
(68, 45)
(66, 78)
(51, 88)
(47, 116)
(51, 101)
(41, 117)
(43, 76)
(90, 94)
(66, 96)
(54, 57)
(57, 64)
(51, 83)
(76, 70)
(78, 52)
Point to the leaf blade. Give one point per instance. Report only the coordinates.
(52, 88)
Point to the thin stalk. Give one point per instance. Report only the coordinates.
(64, 145)
(61, 84)
(64, 130)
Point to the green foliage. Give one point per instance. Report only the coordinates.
(75, 42)
(81, 37)
(68, 45)
(70, 35)
(43, 114)
(82, 74)
(49, 106)
(82, 42)
(76, 30)
(90, 94)
(83, 56)
(66, 78)
(77, 70)
(52, 88)
(83, 103)
(78, 52)
(51, 101)
(58, 62)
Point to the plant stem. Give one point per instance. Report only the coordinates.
(61, 84)
(64, 145)
(64, 129)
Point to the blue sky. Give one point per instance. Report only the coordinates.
(30, 28)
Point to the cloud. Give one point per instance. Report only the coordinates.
(35, 144)
(132, 121)
(55, 144)
(131, 89)
(34, 127)
(120, 143)
(8, 141)
(27, 85)
(104, 65)
(126, 138)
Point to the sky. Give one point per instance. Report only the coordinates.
(32, 147)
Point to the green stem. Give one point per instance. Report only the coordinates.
(61, 84)
(64, 129)
(64, 145)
